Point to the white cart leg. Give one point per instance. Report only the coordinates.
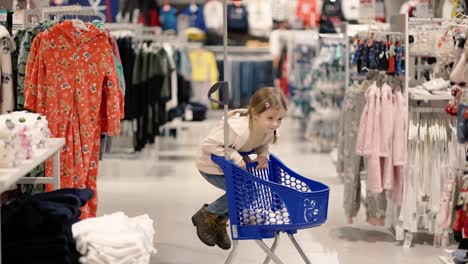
(273, 248)
(268, 251)
(230, 259)
(299, 249)
(57, 170)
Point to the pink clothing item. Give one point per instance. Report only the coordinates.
(396, 193)
(374, 175)
(375, 143)
(386, 121)
(374, 171)
(115, 46)
(364, 146)
(399, 132)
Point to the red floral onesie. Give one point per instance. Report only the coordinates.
(71, 79)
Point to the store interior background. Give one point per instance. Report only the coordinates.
(162, 181)
(159, 178)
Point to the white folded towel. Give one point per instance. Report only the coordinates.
(115, 239)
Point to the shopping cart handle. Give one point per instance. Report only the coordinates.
(222, 86)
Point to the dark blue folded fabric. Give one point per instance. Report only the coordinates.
(84, 195)
(460, 256)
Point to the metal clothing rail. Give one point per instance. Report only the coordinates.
(33, 16)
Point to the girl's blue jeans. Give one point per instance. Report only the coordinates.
(220, 206)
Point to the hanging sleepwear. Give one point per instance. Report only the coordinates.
(7, 98)
(71, 79)
(350, 163)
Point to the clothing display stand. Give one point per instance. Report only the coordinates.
(11, 176)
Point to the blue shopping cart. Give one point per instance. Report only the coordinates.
(265, 202)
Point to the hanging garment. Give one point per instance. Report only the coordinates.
(168, 18)
(213, 13)
(331, 16)
(349, 163)
(308, 12)
(237, 18)
(7, 98)
(71, 79)
(196, 17)
(23, 55)
(204, 74)
(280, 10)
(259, 11)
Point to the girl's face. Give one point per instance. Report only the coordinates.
(270, 120)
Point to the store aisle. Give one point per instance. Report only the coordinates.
(170, 190)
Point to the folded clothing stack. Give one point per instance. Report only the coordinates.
(434, 87)
(115, 238)
(37, 228)
(22, 136)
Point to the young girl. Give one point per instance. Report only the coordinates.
(251, 129)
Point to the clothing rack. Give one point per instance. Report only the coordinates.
(33, 16)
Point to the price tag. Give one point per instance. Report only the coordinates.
(408, 240)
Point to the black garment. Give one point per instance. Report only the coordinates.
(237, 18)
(127, 55)
(184, 89)
(331, 16)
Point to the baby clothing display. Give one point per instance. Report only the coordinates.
(115, 239)
(434, 87)
(22, 136)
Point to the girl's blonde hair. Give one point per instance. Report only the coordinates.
(267, 98)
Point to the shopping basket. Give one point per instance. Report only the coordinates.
(265, 202)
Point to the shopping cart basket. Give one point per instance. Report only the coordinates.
(265, 202)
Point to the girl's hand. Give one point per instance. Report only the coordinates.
(242, 164)
(262, 162)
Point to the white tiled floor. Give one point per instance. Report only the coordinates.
(170, 190)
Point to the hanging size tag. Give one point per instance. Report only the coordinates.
(408, 240)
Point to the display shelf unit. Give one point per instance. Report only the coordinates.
(439, 97)
(11, 176)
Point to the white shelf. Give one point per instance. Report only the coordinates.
(439, 97)
(10, 176)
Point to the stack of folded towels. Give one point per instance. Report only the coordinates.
(22, 136)
(115, 238)
(38, 228)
